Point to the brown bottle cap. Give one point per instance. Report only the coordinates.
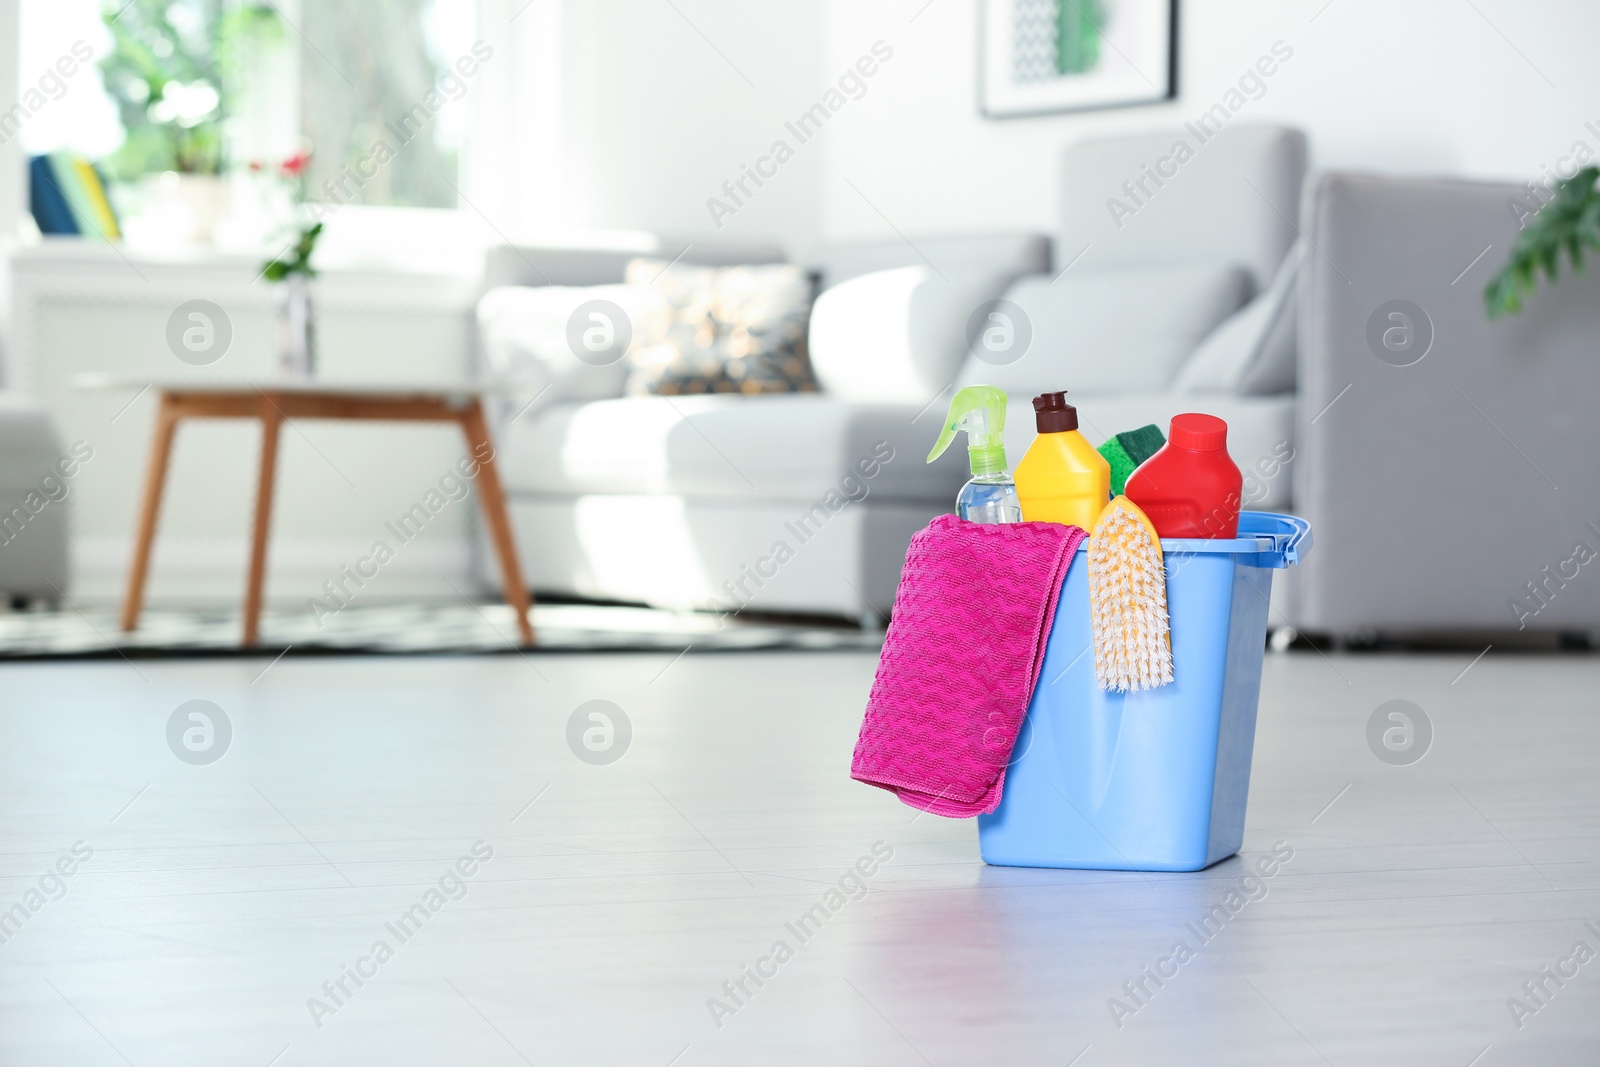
(1052, 413)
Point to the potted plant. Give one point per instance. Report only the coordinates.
(1568, 223)
(174, 71)
(292, 270)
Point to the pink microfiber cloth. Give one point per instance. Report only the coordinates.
(960, 661)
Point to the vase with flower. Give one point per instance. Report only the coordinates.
(291, 270)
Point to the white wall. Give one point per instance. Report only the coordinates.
(1434, 86)
(13, 185)
(662, 102)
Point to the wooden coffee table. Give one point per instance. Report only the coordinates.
(272, 402)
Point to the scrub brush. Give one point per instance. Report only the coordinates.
(1128, 601)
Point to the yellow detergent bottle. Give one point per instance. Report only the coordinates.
(1061, 477)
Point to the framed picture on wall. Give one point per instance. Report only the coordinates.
(1036, 57)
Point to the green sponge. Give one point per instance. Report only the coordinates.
(1127, 450)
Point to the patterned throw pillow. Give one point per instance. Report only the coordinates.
(733, 330)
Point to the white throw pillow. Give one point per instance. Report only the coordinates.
(527, 335)
(1114, 330)
(896, 336)
(1252, 353)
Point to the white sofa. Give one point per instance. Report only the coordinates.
(794, 503)
(805, 502)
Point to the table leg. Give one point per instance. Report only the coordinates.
(271, 421)
(149, 510)
(493, 498)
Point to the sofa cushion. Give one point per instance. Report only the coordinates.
(1260, 432)
(526, 332)
(739, 329)
(1125, 329)
(1007, 254)
(1253, 350)
(1231, 198)
(796, 446)
(897, 336)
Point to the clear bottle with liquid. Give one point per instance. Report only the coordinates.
(990, 496)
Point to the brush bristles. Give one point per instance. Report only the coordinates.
(1128, 605)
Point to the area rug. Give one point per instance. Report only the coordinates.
(411, 629)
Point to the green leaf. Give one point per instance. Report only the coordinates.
(1570, 220)
(298, 261)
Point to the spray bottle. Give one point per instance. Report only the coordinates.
(991, 496)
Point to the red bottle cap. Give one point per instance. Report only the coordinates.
(1198, 433)
(1052, 413)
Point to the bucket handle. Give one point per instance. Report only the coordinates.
(1283, 539)
(1266, 539)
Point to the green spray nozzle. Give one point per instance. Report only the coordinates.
(980, 412)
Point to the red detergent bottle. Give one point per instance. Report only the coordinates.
(1191, 487)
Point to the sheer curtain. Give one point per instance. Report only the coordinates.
(386, 91)
(511, 176)
(494, 124)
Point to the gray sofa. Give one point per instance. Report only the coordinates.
(36, 472)
(1451, 474)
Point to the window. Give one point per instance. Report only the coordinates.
(383, 100)
(209, 86)
(63, 112)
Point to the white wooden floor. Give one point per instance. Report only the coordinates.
(219, 898)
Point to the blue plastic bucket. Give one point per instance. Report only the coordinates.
(1155, 780)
